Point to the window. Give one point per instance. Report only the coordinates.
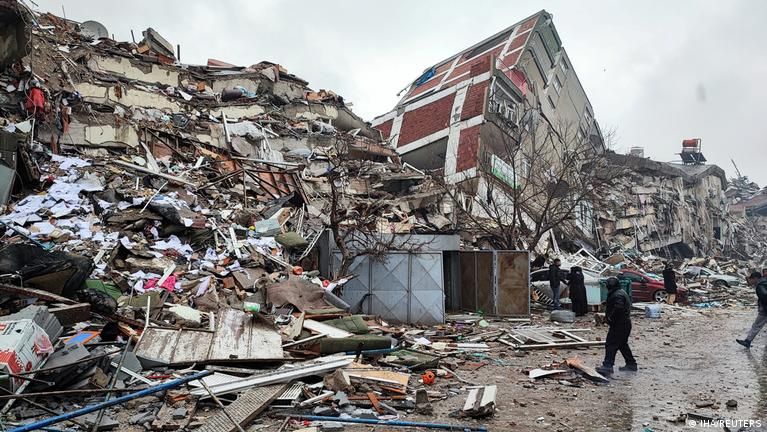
(580, 136)
(557, 84)
(588, 117)
(551, 102)
(564, 66)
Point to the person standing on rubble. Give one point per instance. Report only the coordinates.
(618, 317)
(756, 280)
(555, 277)
(669, 283)
(577, 291)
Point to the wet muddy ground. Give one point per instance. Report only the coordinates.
(689, 363)
(688, 359)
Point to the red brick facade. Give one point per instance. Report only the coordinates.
(468, 148)
(385, 128)
(426, 120)
(518, 42)
(474, 104)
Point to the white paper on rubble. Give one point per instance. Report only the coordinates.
(210, 255)
(25, 126)
(203, 286)
(42, 228)
(173, 242)
(125, 241)
(122, 205)
(66, 162)
(188, 222)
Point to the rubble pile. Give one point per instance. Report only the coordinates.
(673, 208)
(167, 217)
(748, 210)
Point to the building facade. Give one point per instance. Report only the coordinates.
(458, 110)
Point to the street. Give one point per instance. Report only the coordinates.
(685, 357)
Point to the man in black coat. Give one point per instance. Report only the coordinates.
(669, 283)
(555, 277)
(618, 317)
(760, 285)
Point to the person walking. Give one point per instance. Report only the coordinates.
(669, 283)
(555, 277)
(756, 280)
(618, 317)
(578, 291)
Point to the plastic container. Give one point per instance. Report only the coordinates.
(624, 283)
(652, 311)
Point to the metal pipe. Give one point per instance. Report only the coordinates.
(100, 415)
(386, 423)
(117, 401)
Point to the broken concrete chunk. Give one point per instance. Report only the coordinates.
(480, 402)
(186, 316)
(422, 403)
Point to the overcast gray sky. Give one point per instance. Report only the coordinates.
(655, 71)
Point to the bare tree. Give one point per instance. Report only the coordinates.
(356, 222)
(535, 175)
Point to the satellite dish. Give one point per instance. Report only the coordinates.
(94, 30)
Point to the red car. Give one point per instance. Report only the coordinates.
(647, 288)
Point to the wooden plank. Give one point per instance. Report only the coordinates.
(158, 344)
(513, 283)
(540, 373)
(468, 285)
(239, 337)
(192, 345)
(485, 295)
(590, 372)
(390, 378)
(577, 338)
(243, 410)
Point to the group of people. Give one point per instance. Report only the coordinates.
(576, 284)
(617, 313)
(618, 308)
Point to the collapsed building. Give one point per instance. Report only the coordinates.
(671, 209)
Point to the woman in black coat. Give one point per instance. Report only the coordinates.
(578, 291)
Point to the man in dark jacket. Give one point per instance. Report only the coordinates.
(669, 283)
(759, 283)
(618, 316)
(555, 277)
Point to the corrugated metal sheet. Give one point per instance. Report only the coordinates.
(237, 338)
(405, 287)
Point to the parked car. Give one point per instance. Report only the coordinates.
(649, 288)
(717, 279)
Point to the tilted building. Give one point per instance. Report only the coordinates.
(444, 121)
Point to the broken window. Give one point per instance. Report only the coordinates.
(588, 117)
(504, 107)
(580, 136)
(564, 66)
